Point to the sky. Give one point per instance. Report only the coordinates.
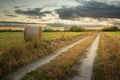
(89, 12)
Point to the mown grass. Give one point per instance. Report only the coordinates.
(59, 68)
(6, 38)
(58, 35)
(113, 33)
(16, 55)
(108, 65)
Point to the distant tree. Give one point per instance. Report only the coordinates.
(76, 29)
(10, 30)
(50, 30)
(114, 28)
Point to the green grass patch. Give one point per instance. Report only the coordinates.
(98, 72)
(113, 33)
(7, 38)
(98, 69)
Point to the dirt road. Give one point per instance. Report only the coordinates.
(17, 75)
(85, 67)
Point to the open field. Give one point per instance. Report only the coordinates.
(114, 33)
(14, 56)
(62, 64)
(6, 38)
(59, 39)
(107, 65)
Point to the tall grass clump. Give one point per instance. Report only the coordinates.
(13, 57)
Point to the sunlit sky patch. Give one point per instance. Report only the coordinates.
(89, 12)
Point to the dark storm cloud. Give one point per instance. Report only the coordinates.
(11, 15)
(113, 2)
(36, 12)
(92, 9)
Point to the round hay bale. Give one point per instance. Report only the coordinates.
(33, 34)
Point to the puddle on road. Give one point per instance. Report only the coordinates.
(84, 69)
(17, 75)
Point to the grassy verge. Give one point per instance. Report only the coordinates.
(59, 68)
(107, 65)
(17, 55)
(98, 72)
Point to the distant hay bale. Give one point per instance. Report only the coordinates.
(33, 34)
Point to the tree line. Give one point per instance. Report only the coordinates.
(72, 29)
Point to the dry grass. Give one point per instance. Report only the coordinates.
(108, 65)
(60, 66)
(15, 56)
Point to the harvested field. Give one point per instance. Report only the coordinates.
(59, 68)
(34, 65)
(17, 55)
(107, 66)
(59, 39)
(8, 38)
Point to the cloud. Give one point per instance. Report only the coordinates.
(49, 5)
(92, 9)
(5, 11)
(113, 2)
(11, 15)
(33, 13)
(57, 24)
(19, 6)
(46, 5)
